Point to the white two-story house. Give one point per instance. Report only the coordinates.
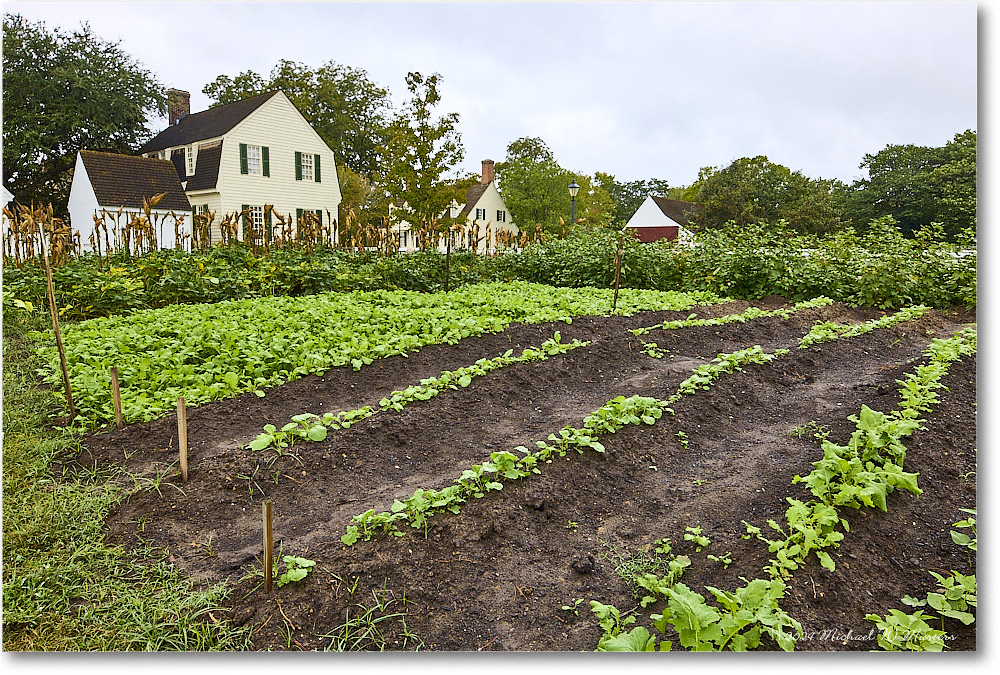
(242, 156)
(484, 222)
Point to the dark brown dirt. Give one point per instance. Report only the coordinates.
(495, 576)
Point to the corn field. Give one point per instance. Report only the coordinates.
(136, 232)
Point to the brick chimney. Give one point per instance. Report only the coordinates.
(178, 105)
(487, 171)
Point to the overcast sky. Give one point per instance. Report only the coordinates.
(637, 90)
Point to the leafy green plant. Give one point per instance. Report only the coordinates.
(210, 351)
(906, 632)
(296, 569)
(574, 607)
(961, 538)
(749, 314)
(825, 331)
(725, 560)
(313, 427)
(955, 596)
(694, 535)
(742, 619)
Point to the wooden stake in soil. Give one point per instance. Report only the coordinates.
(116, 395)
(268, 545)
(55, 325)
(618, 270)
(182, 435)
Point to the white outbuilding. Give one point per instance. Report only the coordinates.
(112, 188)
(662, 218)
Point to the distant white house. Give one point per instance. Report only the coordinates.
(483, 220)
(7, 196)
(661, 218)
(112, 187)
(244, 155)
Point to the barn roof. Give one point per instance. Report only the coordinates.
(675, 209)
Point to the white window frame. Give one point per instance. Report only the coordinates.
(255, 162)
(501, 216)
(307, 166)
(256, 213)
(480, 217)
(189, 157)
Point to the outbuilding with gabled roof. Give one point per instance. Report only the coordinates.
(662, 218)
(116, 189)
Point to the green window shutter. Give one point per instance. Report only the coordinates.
(298, 212)
(319, 212)
(265, 160)
(316, 167)
(243, 159)
(267, 231)
(298, 166)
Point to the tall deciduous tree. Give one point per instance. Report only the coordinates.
(534, 188)
(63, 92)
(754, 189)
(918, 185)
(420, 150)
(347, 109)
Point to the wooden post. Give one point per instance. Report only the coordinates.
(618, 270)
(182, 435)
(55, 325)
(447, 261)
(116, 395)
(268, 546)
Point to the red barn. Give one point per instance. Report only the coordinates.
(661, 218)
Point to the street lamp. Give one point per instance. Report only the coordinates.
(573, 189)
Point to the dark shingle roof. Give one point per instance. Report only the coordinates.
(210, 123)
(472, 197)
(675, 209)
(206, 173)
(124, 180)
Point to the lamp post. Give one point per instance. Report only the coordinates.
(573, 189)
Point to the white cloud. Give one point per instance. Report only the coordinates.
(638, 90)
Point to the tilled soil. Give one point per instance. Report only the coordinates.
(495, 576)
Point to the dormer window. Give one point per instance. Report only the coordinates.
(189, 152)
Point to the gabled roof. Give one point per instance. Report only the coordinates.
(210, 123)
(124, 180)
(472, 197)
(675, 209)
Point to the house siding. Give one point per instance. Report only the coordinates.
(490, 202)
(278, 126)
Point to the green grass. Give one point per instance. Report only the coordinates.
(63, 587)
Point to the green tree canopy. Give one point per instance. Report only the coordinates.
(534, 187)
(754, 189)
(63, 92)
(918, 185)
(420, 151)
(348, 110)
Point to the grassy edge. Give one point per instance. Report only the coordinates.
(64, 587)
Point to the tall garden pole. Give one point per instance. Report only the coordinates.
(55, 324)
(618, 270)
